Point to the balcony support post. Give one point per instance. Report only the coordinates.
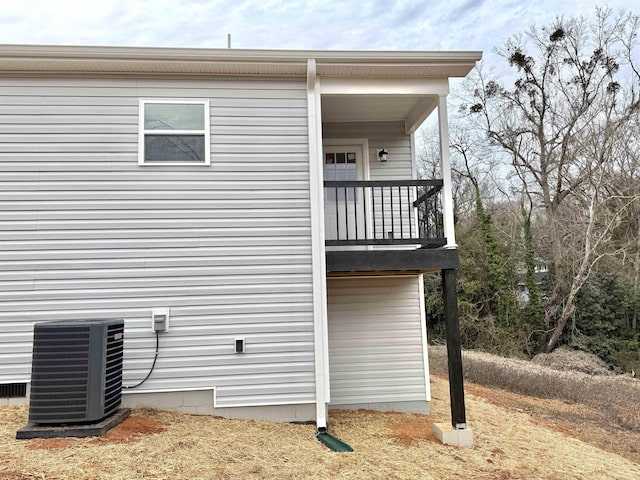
(454, 353)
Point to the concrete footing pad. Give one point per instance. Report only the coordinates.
(73, 430)
(450, 436)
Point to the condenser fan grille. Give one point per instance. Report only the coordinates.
(113, 384)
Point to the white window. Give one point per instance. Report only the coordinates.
(174, 132)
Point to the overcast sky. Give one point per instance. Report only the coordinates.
(309, 24)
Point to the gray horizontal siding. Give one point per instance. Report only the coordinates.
(87, 233)
(375, 340)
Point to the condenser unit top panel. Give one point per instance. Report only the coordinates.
(77, 323)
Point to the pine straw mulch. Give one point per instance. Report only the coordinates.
(510, 443)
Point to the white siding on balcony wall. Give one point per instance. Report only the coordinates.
(87, 233)
(377, 346)
(388, 135)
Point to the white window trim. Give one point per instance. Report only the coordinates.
(207, 131)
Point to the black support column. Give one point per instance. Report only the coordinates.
(454, 354)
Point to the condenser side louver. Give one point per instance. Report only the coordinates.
(76, 372)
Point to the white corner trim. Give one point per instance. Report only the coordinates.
(312, 75)
(319, 275)
(414, 156)
(425, 345)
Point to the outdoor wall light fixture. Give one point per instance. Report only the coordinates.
(382, 154)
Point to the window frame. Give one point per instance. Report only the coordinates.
(142, 132)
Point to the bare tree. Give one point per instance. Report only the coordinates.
(561, 124)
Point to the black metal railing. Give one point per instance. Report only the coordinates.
(384, 212)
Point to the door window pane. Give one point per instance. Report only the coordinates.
(340, 166)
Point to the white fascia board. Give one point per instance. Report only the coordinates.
(440, 57)
(384, 86)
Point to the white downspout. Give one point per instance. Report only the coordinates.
(445, 171)
(316, 192)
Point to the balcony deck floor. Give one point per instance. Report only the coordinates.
(369, 261)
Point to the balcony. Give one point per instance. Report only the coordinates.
(385, 226)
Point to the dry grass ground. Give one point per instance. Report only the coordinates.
(599, 408)
(617, 395)
(511, 443)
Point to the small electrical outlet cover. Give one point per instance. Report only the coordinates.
(160, 319)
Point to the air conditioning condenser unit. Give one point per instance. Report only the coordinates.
(76, 371)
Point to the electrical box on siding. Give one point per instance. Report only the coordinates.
(160, 319)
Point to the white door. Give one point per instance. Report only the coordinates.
(344, 209)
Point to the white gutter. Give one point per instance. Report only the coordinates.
(316, 193)
(239, 55)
